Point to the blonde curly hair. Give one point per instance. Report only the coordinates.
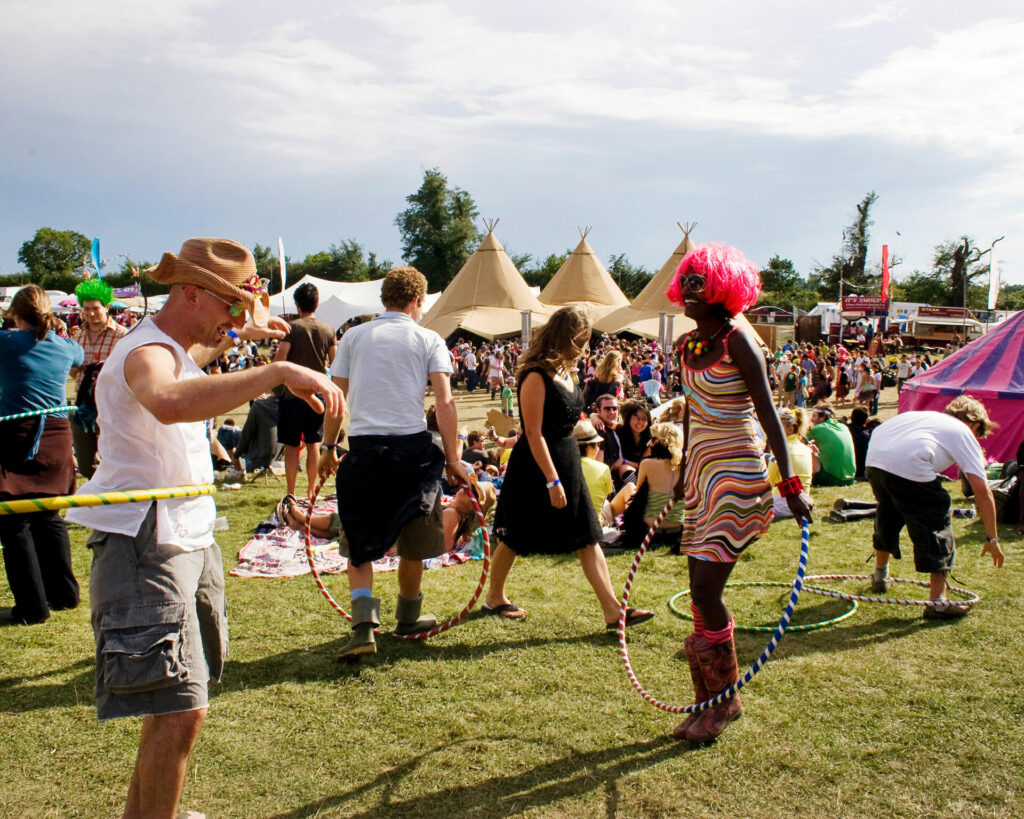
(671, 437)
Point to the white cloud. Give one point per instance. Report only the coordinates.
(881, 13)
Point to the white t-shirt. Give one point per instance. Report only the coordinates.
(919, 446)
(387, 362)
(902, 369)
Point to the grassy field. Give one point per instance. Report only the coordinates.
(882, 714)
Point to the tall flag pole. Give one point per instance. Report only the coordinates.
(280, 258)
(885, 271)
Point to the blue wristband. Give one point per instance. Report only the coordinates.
(555, 482)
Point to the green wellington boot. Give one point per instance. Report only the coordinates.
(700, 689)
(407, 613)
(365, 618)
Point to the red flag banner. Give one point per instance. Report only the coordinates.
(885, 271)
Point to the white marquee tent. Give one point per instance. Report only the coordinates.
(339, 301)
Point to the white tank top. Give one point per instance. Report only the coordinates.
(139, 452)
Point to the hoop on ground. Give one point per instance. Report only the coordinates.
(765, 629)
(971, 598)
(773, 642)
(423, 635)
(26, 505)
(32, 413)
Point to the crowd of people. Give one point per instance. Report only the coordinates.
(708, 442)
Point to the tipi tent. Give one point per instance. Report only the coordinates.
(991, 369)
(583, 281)
(486, 297)
(642, 316)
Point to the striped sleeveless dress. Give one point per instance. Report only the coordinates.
(727, 495)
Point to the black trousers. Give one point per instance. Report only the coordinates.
(37, 558)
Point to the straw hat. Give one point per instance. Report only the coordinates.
(584, 433)
(222, 266)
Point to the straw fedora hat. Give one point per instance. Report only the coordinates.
(222, 266)
(585, 433)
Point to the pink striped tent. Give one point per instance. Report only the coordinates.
(991, 369)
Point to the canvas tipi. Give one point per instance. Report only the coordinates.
(486, 297)
(582, 281)
(642, 316)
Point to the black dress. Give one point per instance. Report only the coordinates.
(525, 520)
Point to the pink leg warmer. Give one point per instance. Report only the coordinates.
(722, 635)
(698, 621)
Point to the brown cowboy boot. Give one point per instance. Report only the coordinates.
(700, 690)
(718, 665)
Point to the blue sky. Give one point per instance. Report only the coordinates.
(764, 123)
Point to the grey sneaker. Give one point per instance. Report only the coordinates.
(946, 610)
(880, 583)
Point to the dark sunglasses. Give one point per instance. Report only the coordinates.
(695, 283)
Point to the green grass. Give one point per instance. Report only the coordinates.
(880, 715)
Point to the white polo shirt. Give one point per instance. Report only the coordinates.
(388, 362)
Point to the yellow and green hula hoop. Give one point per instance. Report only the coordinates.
(26, 505)
(765, 584)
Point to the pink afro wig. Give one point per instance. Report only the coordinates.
(732, 279)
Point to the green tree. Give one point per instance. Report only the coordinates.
(540, 274)
(1011, 297)
(438, 233)
(630, 278)
(342, 262)
(851, 261)
(783, 286)
(52, 252)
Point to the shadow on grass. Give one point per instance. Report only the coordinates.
(318, 663)
(532, 789)
(22, 694)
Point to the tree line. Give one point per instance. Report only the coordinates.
(439, 233)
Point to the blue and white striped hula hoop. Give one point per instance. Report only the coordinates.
(31, 413)
(773, 642)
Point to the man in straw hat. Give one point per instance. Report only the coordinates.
(382, 366)
(157, 584)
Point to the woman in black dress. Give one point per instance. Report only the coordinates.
(544, 506)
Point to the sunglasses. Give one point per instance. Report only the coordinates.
(695, 283)
(235, 308)
(614, 409)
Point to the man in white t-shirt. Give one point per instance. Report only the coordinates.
(157, 584)
(902, 371)
(906, 456)
(389, 483)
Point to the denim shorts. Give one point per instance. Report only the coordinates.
(159, 622)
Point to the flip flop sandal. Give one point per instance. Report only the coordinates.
(634, 617)
(280, 511)
(510, 611)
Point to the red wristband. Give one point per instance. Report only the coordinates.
(790, 486)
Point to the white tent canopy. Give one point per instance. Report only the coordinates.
(339, 301)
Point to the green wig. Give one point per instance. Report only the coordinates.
(94, 290)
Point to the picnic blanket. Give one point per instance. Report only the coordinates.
(275, 550)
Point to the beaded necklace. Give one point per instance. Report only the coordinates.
(697, 346)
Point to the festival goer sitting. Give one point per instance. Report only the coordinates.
(599, 477)
(659, 473)
(834, 463)
(474, 452)
(652, 388)
(861, 435)
(458, 518)
(636, 433)
(606, 422)
(794, 423)
(607, 380)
